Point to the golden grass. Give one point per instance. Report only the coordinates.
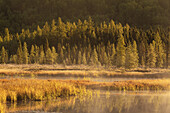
(132, 85)
(16, 90)
(80, 70)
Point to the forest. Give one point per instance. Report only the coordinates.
(17, 15)
(85, 42)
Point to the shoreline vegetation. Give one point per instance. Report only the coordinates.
(80, 71)
(16, 90)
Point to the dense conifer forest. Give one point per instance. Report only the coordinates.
(88, 43)
(120, 33)
(18, 14)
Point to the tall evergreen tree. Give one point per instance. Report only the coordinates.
(49, 56)
(25, 53)
(84, 61)
(79, 58)
(3, 54)
(94, 58)
(151, 56)
(32, 55)
(159, 50)
(42, 55)
(54, 55)
(120, 51)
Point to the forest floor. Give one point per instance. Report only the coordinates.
(82, 71)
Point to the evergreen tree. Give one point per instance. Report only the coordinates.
(151, 56)
(54, 55)
(159, 50)
(135, 55)
(1, 39)
(79, 58)
(120, 51)
(113, 53)
(25, 54)
(7, 35)
(42, 55)
(39, 31)
(49, 56)
(94, 58)
(32, 55)
(36, 57)
(3, 54)
(84, 61)
(19, 54)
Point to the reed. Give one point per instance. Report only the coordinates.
(15, 90)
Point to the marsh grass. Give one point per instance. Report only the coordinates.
(16, 90)
(81, 71)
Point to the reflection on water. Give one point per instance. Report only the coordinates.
(100, 102)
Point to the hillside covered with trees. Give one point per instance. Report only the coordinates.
(18, 14)
(88, 43)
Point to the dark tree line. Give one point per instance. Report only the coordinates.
(85, 42)
(18, 14)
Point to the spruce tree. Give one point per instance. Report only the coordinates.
(113, 53)
(129, 62)
(159, 50)
(1, 39)
(84, 61)
(25, 54)
(54, 55)
(120, 51)
(79, 58)
(135, 55)
(32, 55)
(19, 54)
(151, 56)
(49, 56)
(42, 55)
(39, 31)
(3, 54)
(94, 58)
(36, 57)
(7, 35)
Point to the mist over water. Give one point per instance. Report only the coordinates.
(102, 102)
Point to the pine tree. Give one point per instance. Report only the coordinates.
(151, 56)
(36, 57)
(94, 58)
(84, 61)
(39, 31)
(135, 55)
(54, 55)
(25, 54)
(42, 55)
(7, 35)
(159, 51)
(53, 28)
(129, 62)
(113, 53)
(49, 56)
(46, 29)
(105, 59)
(1, 39)
(20, 54)
(3, 54)
(79, 58)
(120, 51)
(32, 55)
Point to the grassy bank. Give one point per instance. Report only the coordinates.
(17, 90)
(129, 85)
(14, 90)
(81, 71)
